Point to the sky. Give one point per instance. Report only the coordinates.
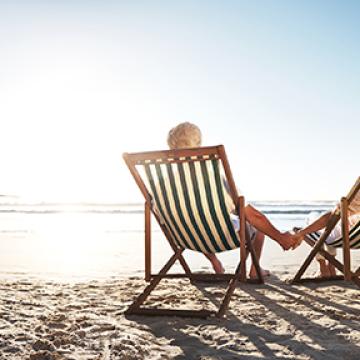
(81, 82)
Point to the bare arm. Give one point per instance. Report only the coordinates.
(263, 224)
(318, 224)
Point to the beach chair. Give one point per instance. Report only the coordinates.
(350, 239)
(190, 193)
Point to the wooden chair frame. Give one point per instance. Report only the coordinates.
(345, 267)
(176, 156)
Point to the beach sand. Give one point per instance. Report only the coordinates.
(41, 319)
(67, 278)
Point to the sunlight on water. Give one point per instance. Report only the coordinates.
(68, 242)
(97, 241)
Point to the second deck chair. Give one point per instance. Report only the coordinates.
(350, 239)
(190, 193)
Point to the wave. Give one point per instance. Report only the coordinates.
(267, 207)
(34, 211)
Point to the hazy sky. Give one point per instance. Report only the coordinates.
(276, 82)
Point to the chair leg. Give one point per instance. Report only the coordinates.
(136, 309)
(182, 261)
(143, 296)
(308, 260)
(346, 241)
(255, 260)
(243, 238)
(331, 259)
(316, 248)
(147, 213)
(231, 288)
(354, 276)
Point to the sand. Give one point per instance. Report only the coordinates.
(42, 319)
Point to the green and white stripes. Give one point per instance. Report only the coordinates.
(354, 237)
(191, 199)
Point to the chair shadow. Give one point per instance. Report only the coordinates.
(199, 342)
(195, 348)
(318, 334)
(316, 303)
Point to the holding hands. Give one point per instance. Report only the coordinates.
(290, 240)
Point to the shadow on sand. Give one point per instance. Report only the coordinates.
(271, 321)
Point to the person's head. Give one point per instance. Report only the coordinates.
(184, 135)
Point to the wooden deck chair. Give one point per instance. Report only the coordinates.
(190, 193)
(350, 239)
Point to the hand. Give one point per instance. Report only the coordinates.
(298, 238)
(287, 240)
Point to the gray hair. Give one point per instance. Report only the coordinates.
(184, 135)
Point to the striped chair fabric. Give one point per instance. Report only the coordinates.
(193, 203)
(354, 237)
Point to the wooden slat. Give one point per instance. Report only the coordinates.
(321, 279)
(147, 240)
(242, 235)
(181, 160)
(165, 155)
(354, 279)
(203, 314)
(228, 174)
(198, 277)
(345, 236)
(206, 278)
(354, 190)
(139, 181)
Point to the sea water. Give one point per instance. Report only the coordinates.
(84, 241)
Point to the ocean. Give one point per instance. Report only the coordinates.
(82, 241)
